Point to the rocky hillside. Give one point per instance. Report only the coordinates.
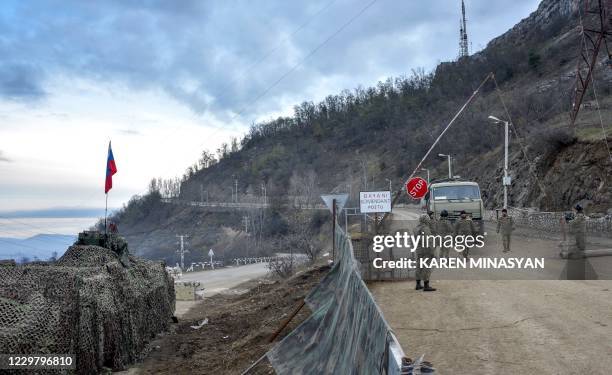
(359, 140)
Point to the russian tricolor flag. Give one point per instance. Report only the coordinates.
(111, 169)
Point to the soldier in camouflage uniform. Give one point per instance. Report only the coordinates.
(578, 228)
(505, 224)
(465, 227)
(118, 244)
(444, 228)
(433, 226)
(424, 252)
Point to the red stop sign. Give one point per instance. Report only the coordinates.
(416, 188)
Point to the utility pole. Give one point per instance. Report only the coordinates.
(450, 169)
(334, 230)
(236, 187)
(595, 32)
(182, 250)
(427, 170)
(506, 180)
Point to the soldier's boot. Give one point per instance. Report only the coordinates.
(427, 288)
(418, 285)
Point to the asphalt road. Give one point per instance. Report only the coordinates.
(526, 243)
(520, 326)
(218, 281)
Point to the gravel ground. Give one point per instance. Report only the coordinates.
(479, 326)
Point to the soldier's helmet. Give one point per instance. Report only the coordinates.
(443, 213)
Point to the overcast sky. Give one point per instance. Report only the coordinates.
(166, 79)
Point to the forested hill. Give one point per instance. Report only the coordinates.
(357, 139)
(381, 132)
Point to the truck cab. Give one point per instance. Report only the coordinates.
(455, 196)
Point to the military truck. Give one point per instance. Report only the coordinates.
(454, 196)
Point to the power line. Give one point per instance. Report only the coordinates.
(532, 167)
(312, 52)
(586, 52)
(260, 60)
(272, 50)
(292, 69)
(603, 129)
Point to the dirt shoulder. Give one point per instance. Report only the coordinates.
(237, 332)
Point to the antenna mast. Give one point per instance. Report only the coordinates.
(463, 38)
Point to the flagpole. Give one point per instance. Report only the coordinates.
(105, 215)
(106, 200)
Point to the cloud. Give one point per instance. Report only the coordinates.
(219, 56)
(19, 81)
(4, 158)
(130, 132)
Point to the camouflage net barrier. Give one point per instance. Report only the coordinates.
(346, 333)
(86, 304)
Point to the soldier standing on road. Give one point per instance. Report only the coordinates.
(578, 228)
(424, 252)
(465, 227)
(505, 224)
(444, 228)
(433, 226)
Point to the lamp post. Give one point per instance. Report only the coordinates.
(506, 180)
(450, 169)
(426, 170)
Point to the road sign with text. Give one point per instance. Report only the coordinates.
(375, 201)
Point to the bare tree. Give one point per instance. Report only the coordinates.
(282, 267)
(207, 159)
(301, 237)
(303, 188)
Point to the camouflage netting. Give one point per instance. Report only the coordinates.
(346, 333)
(86, 304)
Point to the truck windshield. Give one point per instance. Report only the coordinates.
(456, 192)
